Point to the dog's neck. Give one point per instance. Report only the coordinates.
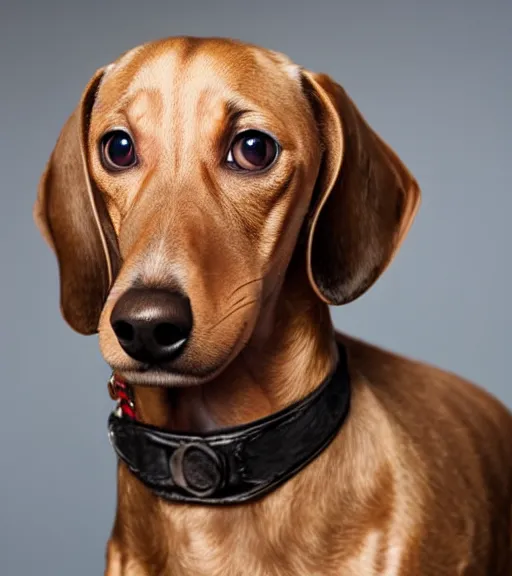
(292, 351)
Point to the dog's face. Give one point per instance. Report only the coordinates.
(209, 190)
(179, 187)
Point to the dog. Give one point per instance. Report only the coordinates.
(207, 201)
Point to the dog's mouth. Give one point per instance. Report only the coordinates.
(160, 376)
(178, 374)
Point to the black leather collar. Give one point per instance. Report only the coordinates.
(237, 464)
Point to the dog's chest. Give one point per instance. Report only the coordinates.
(239, 548)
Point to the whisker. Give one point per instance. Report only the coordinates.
(230, 313)
(244, 297)
(244, 285)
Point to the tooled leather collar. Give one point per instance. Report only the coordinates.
(232, 465)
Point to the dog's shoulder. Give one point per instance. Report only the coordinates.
(441, 412)
(453, 438)
(396, 379)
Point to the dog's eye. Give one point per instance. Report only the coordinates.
(118, 150)
(252, 151)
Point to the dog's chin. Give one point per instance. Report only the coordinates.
(173, 377)
(164, 377)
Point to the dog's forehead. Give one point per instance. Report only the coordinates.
(193, 65)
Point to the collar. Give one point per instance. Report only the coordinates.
(231, 465)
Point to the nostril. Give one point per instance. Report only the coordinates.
(152, 325)
(124, 330)
(166, 334)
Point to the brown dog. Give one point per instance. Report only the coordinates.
(224, 192)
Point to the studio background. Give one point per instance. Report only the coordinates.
(433, 78)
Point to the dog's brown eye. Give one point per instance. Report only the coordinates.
(118, 150)
(252, 150)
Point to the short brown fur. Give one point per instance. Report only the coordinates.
(419, 479)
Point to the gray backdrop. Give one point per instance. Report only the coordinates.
(434, 80)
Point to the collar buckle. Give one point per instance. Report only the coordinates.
(197, 469)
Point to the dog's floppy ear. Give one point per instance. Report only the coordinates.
(364, 202)
(73, 219)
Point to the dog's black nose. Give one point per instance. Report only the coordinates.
(152, 325)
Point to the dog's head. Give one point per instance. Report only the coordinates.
(188, 176)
